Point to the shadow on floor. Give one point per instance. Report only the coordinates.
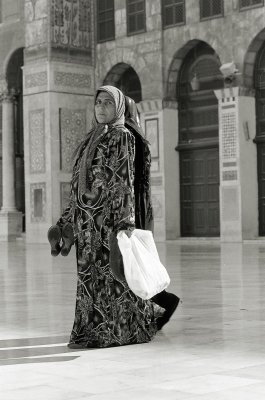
(36, 341)
(17, 351)
(17, 361)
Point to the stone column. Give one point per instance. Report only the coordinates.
(238, 165)
(58, 90)
(10, 218)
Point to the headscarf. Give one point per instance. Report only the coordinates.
(131, 113)
(98, 131)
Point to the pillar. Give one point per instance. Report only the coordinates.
(10, 217)
(58, 90)
(238, 165)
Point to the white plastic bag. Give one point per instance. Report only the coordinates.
(144, 273)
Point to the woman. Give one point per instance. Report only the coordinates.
(107, 312)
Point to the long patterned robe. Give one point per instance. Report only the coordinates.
(107, 312)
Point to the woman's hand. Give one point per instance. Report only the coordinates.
(128, 232)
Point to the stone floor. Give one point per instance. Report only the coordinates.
(213, 348)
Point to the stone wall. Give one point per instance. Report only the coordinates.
(230, 36)
(143, 51)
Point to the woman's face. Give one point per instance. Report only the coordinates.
(104, 108)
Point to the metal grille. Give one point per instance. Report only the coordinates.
(173, 12)
(135, 16)
(211, 8)
(250, 3)
(205, 68)
(105, 20)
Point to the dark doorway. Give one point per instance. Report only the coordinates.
(199, 172)
(259, 83)
(130, 85)
(15, 83)
(198, 142)
(125, 78)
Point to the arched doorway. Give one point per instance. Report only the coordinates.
(259, 85)
(124, 77)
(15, 84)
(198, 145)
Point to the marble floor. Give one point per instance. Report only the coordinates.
(212, 349)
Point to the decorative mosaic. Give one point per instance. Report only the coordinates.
(229, 140)
(157, 205)
(229, 175)
(72, 80)
(38, 202)
(37, 141)
(36, 79)
(72, 131)
(65, 195)
(71, 24)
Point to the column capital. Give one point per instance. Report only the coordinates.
(170, 103)
(8, 96)
(234, 91)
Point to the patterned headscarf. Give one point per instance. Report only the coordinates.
(97, 132)
(119, 101)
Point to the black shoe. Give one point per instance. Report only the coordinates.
(54, 237)
(68, 238)
(169, 302)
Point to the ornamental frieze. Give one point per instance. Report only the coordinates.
(71, 24)
(72, 131)
(71, 79)
(36, 79)
(37, 141)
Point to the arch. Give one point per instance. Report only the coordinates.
(13, 74)
(124, 77)
(250, 59)
(13, 68)
(115, 74)
(194, 45)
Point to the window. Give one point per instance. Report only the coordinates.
(105, 20)
(250, 3)
(173, 12)
(211, 8)
(135, 16)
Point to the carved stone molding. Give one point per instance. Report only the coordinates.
(170, 104)
(234, 91)
(8, 96)
(149, 106)
(72, 131)
(71, 24)
(36, 79)
(70, 79)
(37, 141)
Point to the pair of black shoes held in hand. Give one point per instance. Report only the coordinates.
(61, 240)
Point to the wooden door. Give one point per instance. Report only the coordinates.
(261, 187)
(199, 189)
